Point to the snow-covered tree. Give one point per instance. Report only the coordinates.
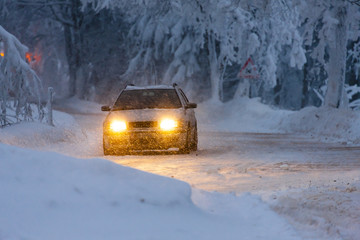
(184, 34)
(328, 26)
(80, 50)
(279, 56)
(354, 57)
(19, 84)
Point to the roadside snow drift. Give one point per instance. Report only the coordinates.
(250, 115)
(239, 115)
(36, 134)
(326, 124)
(50, 196)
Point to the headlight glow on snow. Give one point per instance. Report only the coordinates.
(118, 126)
(168, 124)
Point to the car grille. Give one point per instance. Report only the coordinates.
(146, 124)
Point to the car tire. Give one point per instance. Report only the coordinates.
(121, 152)
(194, 143)
(107, 151)
(186, 148)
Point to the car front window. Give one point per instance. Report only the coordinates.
(147, 98)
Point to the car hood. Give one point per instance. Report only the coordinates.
(139, 115)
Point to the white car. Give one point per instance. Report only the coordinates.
(150, 118)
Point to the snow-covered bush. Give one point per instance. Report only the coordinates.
(19, 84)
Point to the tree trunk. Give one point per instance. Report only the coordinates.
(337, 61)
(73, 45)
(71, 61)
(214, 69)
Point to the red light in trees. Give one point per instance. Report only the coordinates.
(33, 57)
(37, 58)
(28, 57)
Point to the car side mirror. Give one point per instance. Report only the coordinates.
(105, 108)
(191, 105)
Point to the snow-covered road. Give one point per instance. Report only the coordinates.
(306, 181)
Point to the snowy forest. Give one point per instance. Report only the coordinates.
(288, 53)
(264, 142)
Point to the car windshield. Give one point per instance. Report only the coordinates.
(147, 98)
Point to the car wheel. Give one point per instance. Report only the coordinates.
(194, 143)
(186, 148)
(107, 151)
(121, 152)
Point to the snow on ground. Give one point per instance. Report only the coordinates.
(96, 199)
(249, 115)
(326, 124)
(240, 115)
(332, 207)
(46, 195)
(36, 134)
(319, 209)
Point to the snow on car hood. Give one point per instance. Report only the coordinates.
(139, 115)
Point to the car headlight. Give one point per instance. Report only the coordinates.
(168, 124)
(118, 126)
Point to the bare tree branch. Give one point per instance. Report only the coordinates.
(41, 3)
(356, 2)
(59, 18)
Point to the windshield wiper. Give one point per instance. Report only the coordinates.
(117, 108)
(123, 108)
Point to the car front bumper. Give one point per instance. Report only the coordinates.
(145, 140)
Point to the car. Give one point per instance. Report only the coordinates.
(157, 117)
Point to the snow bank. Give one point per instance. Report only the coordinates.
(250, 115)
(46, 195)
(239, 115)
(36, 134)
(326, 124)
